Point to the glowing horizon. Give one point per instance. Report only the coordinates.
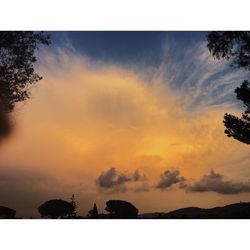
(88, 116)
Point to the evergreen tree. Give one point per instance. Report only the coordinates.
(235, 46)
(93, 213)
(73, 203)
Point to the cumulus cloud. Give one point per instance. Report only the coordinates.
(138, 176)
(111, 178)
(169, 178)
(215, 182)
(126, 119)
(113, 181)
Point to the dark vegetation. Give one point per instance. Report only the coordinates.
(17, 74)
(61, 209)
(235, 46)
(120, 209)
(56, 209)
(7, 213)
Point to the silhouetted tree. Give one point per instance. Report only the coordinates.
(93, 213)
(7, 213)
(73, 203)
(17, 58)
(56, 209)
(236, 46)
(121, 209)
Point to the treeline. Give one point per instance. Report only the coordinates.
(61, 209)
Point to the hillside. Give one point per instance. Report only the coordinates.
(233, 211)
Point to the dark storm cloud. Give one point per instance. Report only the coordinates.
(214, 182)
(113, 181)
(169, 178)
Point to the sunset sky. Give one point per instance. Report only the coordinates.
(135, 116)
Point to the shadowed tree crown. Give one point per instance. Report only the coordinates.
(17, 58)
(121, 209)
(56, 209)
(7, 213)
(235, 46)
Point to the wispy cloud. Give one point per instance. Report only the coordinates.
(86, 114)
(202, 80)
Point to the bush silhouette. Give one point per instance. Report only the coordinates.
(121, 209)
(56, 209)
(7, 213)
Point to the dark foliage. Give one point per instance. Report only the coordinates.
(236, 46)
(73, 203)
(7, 213)
(56, 209)
(231, 44)
(93, 213)
(121, 209)
(239, 128)
(17, 58)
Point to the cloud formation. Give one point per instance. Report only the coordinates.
(86, 114)
(169, 178)
(113, 181)
(215, 182)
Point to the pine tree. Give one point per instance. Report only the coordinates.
(73, 202)
(93, 213)
(235, 46)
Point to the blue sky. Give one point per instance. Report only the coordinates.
(144, 47)
(176, 56)
(181, 58)
(118, 103)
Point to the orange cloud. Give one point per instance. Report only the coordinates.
(85, 117)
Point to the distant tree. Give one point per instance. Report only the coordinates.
(17, 58)
(56, 209)
(73, 203)
(236, 46)
(121, 209)
(93, 213)
(7, 213)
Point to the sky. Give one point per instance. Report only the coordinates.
(135, 116)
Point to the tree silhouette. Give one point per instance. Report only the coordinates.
(236, 46)
(93, 213)
(7, 213)
(121, 209)
(56, 209)
(17, 58)
(73, 203)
